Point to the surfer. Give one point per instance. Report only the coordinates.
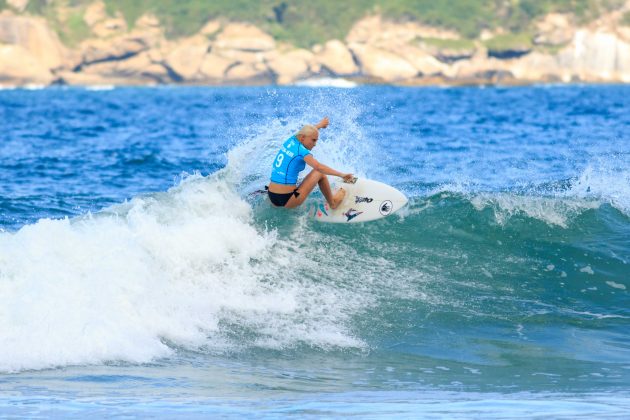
(292, 158)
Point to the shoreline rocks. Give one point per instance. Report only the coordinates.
(375, 51)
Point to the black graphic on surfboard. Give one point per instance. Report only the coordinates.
(358, 199)
(351, 214)
(386, 207)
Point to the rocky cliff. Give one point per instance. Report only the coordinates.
(375, 50)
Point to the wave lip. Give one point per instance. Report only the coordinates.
(606, 178)
(551, 210)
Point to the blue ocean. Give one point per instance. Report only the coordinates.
(142, 275)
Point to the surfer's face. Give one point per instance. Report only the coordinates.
(310, 141)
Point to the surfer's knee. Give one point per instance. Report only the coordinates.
(317, 173)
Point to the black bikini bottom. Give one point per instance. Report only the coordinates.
(281, 200)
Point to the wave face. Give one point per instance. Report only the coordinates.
(507, 270)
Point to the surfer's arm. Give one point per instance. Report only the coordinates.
(313, 163)
(323, 123)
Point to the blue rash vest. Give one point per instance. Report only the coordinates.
(289, 162)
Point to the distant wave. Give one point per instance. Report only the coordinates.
(100, 87)
(327, 82)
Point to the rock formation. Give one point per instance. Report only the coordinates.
(375, 50)
(34, 35)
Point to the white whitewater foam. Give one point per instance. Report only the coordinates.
(551, 210)
(97, 88)
(327, 82)
(185, 268)
(606, 178)
(34, 86)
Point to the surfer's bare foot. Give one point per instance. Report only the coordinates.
(338, 198)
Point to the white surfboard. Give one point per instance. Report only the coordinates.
(365, 200)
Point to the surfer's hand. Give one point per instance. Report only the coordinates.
(347, 177)
(323, 123)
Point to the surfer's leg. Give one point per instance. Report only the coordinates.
(305, 188)
(339, 196)
(333, 200)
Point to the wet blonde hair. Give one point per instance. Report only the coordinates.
(307, 130)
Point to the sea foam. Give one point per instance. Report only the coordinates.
(606, 178)
(185, 268)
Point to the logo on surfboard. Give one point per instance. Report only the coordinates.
(358, 199)
(386, 207)
(351, 214)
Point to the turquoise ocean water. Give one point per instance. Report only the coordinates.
(139, 275)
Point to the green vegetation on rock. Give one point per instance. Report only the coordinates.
(451, 44)
(300, 22)
(39, 7)
(551, 49)
(467, 17)
(304, 22)
(74, 30)
(505, 42)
